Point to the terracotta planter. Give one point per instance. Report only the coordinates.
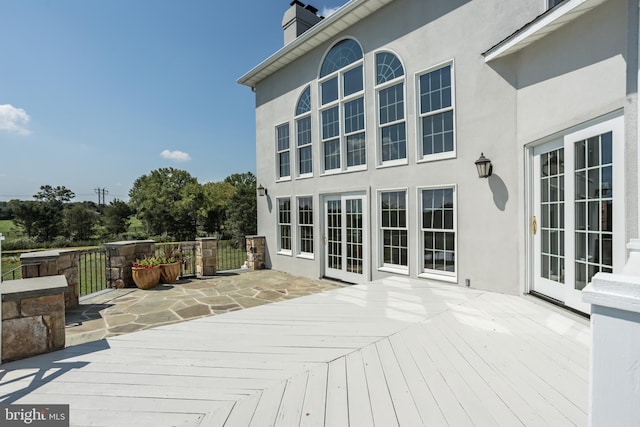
(169, 272)
(146, 278)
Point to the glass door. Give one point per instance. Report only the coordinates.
(345, 238)
(577, 230)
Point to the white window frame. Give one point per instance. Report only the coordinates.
(279, 226)
(446, 276)
(422, 158)
(299, 174)
(382, 266)
(378, 88)
(300, 225)
(279, 152)
(340, 103)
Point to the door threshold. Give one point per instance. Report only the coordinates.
(559, 303)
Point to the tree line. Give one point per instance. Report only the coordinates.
(170, 204)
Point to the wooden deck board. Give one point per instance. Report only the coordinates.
(397, 352)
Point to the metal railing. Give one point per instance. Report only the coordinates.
(230, 256)
(186, 251)
(92, 267)
(16, 273)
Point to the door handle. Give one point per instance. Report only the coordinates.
(534, 225)
(324, 239)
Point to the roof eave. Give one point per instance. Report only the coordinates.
(312, 38)
(542, 25)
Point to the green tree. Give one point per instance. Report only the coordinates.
(167, 202)
(242, 212)
(116, 217)
(25, 214)
(49, 206)
(79, 221)
(5, 211)
(216, 198)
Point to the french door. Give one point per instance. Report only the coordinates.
(345, 238)
(578, 212)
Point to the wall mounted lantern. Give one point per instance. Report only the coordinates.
(262, 191)
(484, 166)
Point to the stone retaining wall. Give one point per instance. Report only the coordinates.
(32, 317)
(54, 263)
(121, 256)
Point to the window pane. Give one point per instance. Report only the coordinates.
(353, 81)
(330, 123)
(394, 142)
(391, 104)
(284, 165)
(434, 130)
(283, 137)
(437, 224)
(332, 154)
(341, 55)
(435, 90)
(304, 103)
(304, 131)
(388, 67)
(354, 116)
(356, 151)
(305, 158)
(330, 90)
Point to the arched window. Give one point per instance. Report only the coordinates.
(342, 108)
(303, 134)
(392, 133)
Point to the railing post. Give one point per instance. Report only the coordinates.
(121, 256)
(206, 256)
(53, 263)
(615, 348)
(256, 252)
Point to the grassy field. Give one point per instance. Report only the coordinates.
(8, 228)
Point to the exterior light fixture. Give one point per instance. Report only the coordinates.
(484, 166)
(262, 191)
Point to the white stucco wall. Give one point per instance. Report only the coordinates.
(499, 108)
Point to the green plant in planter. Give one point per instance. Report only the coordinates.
(170, 254)
(146, 272)
(150, 262)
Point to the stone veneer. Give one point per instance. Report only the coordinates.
(32, 316)
(122, 255)
(255, 252)
(206, 256)
(54, 263)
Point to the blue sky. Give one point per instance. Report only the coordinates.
(94, 94)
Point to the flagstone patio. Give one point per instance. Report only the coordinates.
(120, 311)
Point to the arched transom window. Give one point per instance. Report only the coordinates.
(342, 108)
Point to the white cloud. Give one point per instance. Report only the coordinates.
(176, 156)
(14, 120)
(328, 11)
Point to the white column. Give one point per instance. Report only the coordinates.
(614, 390)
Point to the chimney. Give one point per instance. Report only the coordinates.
(298, 19)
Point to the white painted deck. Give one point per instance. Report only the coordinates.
(397, 352)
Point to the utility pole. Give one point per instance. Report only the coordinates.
(101, 191)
